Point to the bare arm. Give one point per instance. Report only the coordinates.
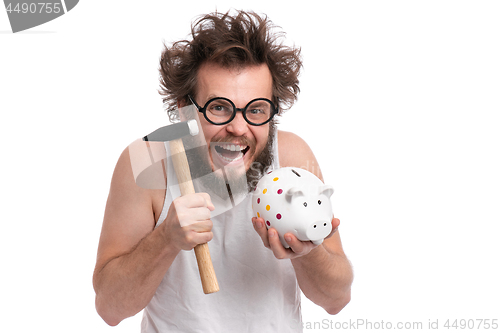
(323, 272)
(325, 275)
(132, 256)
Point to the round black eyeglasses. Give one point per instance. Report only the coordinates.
(221, 111)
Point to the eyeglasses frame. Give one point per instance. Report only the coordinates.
(275, 110)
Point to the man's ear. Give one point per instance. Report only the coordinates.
(181, 103)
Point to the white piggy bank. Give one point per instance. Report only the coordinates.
(294, 200)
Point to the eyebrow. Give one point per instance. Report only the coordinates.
(209, 97)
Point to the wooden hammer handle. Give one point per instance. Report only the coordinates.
(205, 266)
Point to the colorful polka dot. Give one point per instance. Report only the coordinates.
(258, 200)
(275, 179)
(268, 207)
(280, 191)
(278, 216)
(258, 215)
(268, 223)
(265, 190)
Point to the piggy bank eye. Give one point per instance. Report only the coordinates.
(305, 204)
(319, 202)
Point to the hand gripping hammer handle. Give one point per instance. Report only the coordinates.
(205, 266)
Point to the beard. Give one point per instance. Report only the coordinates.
(263, 162)
(228, 182)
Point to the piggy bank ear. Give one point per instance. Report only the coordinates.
(293, 192)
(326, 190)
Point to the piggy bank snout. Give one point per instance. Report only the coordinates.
(319, 230)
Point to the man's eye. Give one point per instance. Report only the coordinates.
(256, 111)
(219, 108)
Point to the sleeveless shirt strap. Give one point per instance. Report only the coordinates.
(164, 210)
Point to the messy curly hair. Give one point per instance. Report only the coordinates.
(232, 42)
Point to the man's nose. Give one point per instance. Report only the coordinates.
(238, 126)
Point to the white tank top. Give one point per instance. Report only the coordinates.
(258, 293)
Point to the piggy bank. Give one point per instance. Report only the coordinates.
(294, 200)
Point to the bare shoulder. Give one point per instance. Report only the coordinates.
(295, 152)
(129, 215)
(125, 186)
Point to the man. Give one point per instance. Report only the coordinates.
(144, 259)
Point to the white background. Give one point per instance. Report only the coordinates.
(399, 101)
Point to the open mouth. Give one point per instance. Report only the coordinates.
(230, 152)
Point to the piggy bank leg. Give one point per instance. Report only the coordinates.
(317, 242)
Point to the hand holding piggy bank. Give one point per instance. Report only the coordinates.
(294, 200)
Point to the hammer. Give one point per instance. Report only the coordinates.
(173, 134)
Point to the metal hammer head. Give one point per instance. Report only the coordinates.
(148, 155)
(174, 131)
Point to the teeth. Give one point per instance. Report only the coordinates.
(233, 147)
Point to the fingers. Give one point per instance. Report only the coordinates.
(193, 234)
(188, 221)
(279, 251)
(192, 215)
(204, 226)
(259, 226)
(298, 247)
(271, 240)
(196, 200)
(193, 208)
(197, 233)
(208, 201)
(187, 237)
(335, 223)
(335, 226)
